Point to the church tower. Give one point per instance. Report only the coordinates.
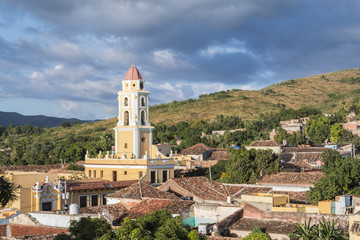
(133, 133)
(134, 157)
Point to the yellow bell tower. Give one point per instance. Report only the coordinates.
(135, 156)
(133, 133)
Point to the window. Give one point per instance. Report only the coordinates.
(164, 175)
(94, 173)
(89, 173)
(46, 206)
(143, 139)
(143, 101)
(101, 173)
(83, 201)
(104, 199)
(143, 120)
(153, 177)
(134, 85)
(141, 86)
(126, 118)
(125, 145)
(125, 172)
(114, 176)
(126, 102)
(94, 200)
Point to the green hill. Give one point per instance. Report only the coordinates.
(328, 92)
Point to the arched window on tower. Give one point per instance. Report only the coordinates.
(126, 118)
(143, 101)
(126, 102)
(143, 118)
(141, 86)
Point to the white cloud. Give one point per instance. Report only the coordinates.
(231, 47)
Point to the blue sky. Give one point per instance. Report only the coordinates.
(67, 58)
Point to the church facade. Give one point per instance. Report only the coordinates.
(135, 156)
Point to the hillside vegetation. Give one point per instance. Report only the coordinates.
(257, 111)
(329, 92)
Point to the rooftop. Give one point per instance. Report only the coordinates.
(219, 154)
(30, 168)
(299, 178)
(265, 143)
(197, 149)
(85, 185)
(149, 205)
(269, 226)
(116, 211)
(133, 74)
(32, 232)
(201, 187)
(133, 192)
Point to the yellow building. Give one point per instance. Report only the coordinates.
(135, 156)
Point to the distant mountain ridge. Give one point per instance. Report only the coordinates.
(7, 118)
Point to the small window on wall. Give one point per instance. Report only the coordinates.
(141, 86)
(89, 173)
(104, 199)
(125, 145)
(125, 172)
(153, 177)
(126, 102)
(94, 173)
(114, 176)
(143, 102)
(143, 120)
(101, 173)
(94, 200)
(126, 118)
(164, 175)
(83, 201)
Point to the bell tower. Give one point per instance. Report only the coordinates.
(133, 133)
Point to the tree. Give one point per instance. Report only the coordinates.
(7, 191)
(66, 124)
(336, 132)
(257, 234)
(304, 231)
(89, 228)
(342, 175)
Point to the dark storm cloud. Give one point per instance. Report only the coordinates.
(183, 47)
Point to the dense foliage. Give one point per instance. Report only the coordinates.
(342, 176)
(158, 225)
(324, 229)
(7, 191)
(257, 234)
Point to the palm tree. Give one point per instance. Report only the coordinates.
(304, 231)
(328, 230)
(7, 191)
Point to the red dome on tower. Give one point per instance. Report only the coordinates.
(133, 74)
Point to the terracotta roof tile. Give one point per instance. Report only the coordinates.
(303, 149)
(133, 192)
(114, 210)
(149, 205)
(265, 143)
(202, 188)
(30, 168)
(271, 226)
(18, 230)
(306, 178)
(197, 149)
(99, 185)
(219, 154)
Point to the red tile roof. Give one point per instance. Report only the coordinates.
(265, 143)
(219, 154)
(201, 187)
(73, 186)
(306, 178)
(197, 149)
(147, 191)
(271, 226)
(303, 149)
(114, 210)
(149, 205)
(30, 168)
(18, 230)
